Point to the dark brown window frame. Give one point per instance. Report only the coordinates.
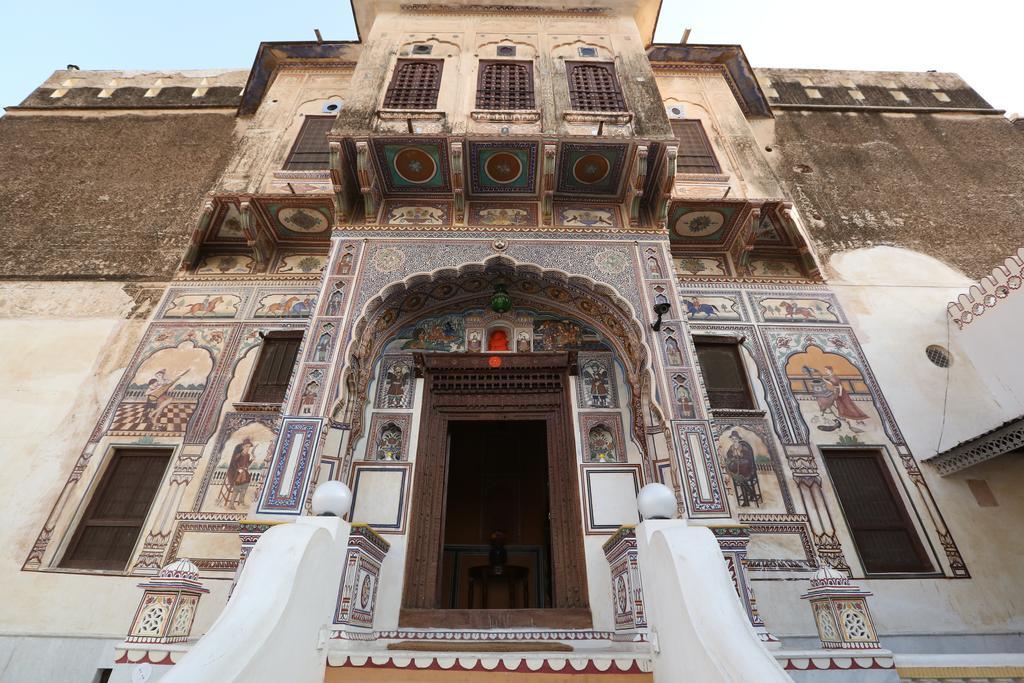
(878, 455)
(413, 96)
(734, 344)
(90, 519)
(321, 158)
(492, 98)
(578, 96)
(697, 155)
(254, 385)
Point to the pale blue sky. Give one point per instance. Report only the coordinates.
(979, 40)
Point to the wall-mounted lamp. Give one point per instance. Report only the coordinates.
(661, 307)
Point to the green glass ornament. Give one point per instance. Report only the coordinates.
(500, 301)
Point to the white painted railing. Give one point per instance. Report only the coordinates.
(699, 629)
(274, 626)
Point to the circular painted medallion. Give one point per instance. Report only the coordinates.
(591, 168)
(559, 294)
(699, 223)
(443, 291)
(414, 165)
(503, 167)
(413, 302)
(298, 219)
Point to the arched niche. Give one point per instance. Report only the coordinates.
(499, 338)
(553, 292)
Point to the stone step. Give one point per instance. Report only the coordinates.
(490, 667)
(961, 668)
(493, 647)
(972, 675)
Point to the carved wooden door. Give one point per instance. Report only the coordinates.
(468, 387)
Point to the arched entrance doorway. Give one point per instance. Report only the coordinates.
(496, 463)
(552, 383)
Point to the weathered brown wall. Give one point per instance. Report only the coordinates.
(105, 197)
(948, 185)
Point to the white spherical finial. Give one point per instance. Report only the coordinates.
(332, 499)
(656, 501)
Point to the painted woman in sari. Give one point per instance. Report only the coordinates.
(834, 401)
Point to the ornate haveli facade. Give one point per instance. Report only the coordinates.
(496, 269)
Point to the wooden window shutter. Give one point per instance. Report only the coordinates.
(274, 367)
(885, 537)
(311, 151)
(593, 86)
(725, 378)
(415, 84)
(503, 84)
(113, 521)
(695, 152)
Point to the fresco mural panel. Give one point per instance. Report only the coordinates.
(753, 473)
(164, 391)
(291, 305)
(396, 383)
(203, 306)
(597, 383)
(238, 463)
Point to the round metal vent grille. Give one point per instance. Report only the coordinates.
(939, 355)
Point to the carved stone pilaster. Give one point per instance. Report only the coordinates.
(734, 539)
(627, 588)
(357, 596)
(155, 545)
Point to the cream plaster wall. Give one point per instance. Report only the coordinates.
(706, 96)
(992, 342)
(267, 137)
(989, 602)
(896, 302)
(65, 346)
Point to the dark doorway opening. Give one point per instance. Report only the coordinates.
(497, 538)
(523, 389)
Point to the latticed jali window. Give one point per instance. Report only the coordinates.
(311, 150)
(517, 382)
(415, 84)
(505, 85)
(594, 87)
(695, 153)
